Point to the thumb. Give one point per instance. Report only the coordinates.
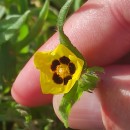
(114, 96)
(85, 113)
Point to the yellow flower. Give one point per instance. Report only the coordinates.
(59, 69)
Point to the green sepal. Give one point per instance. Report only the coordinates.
(89, 80)
(67, 102)
(95, 69)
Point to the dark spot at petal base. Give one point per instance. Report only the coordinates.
(66, 79)
(57, 79)
(54, 65)
(65, 60)
(72, 68)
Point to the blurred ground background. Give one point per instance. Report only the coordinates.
(23, 29)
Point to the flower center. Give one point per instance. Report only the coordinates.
(63, 70)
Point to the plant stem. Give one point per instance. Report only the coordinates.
(63, 38)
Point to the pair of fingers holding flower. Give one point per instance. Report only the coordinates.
(103, 40)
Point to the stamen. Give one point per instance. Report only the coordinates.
(66, 79)
(54, 65)
(65, 60)
(72, 68)
(57, 79)
(62, 70)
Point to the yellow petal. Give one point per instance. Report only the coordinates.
(49, 86)
(61, 50)
(78, 64)
(42, 60)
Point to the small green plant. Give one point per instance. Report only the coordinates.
(24, 26)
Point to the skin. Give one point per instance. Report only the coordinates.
(100, 29)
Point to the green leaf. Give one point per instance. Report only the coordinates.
(52, 17)
(2, 11)
(77, 4)
(63, 38)
(36, 28)
(67, 102)
(59, 4)
(6, 23)
(44, 11)
(7, 64)
(12, 29)
(23, 5)
(24, 30)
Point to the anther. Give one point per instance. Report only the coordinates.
(66, 79)
(57, 79)
(65, 60)
(55, 63)
(72, 68)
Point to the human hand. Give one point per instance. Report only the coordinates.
(101, 31)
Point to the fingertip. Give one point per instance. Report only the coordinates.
(26, 88)
(30, 100)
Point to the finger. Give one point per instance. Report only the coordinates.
(114, 92)
(114, 96)
(85, 113)
(26, 90)
(101, 38)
